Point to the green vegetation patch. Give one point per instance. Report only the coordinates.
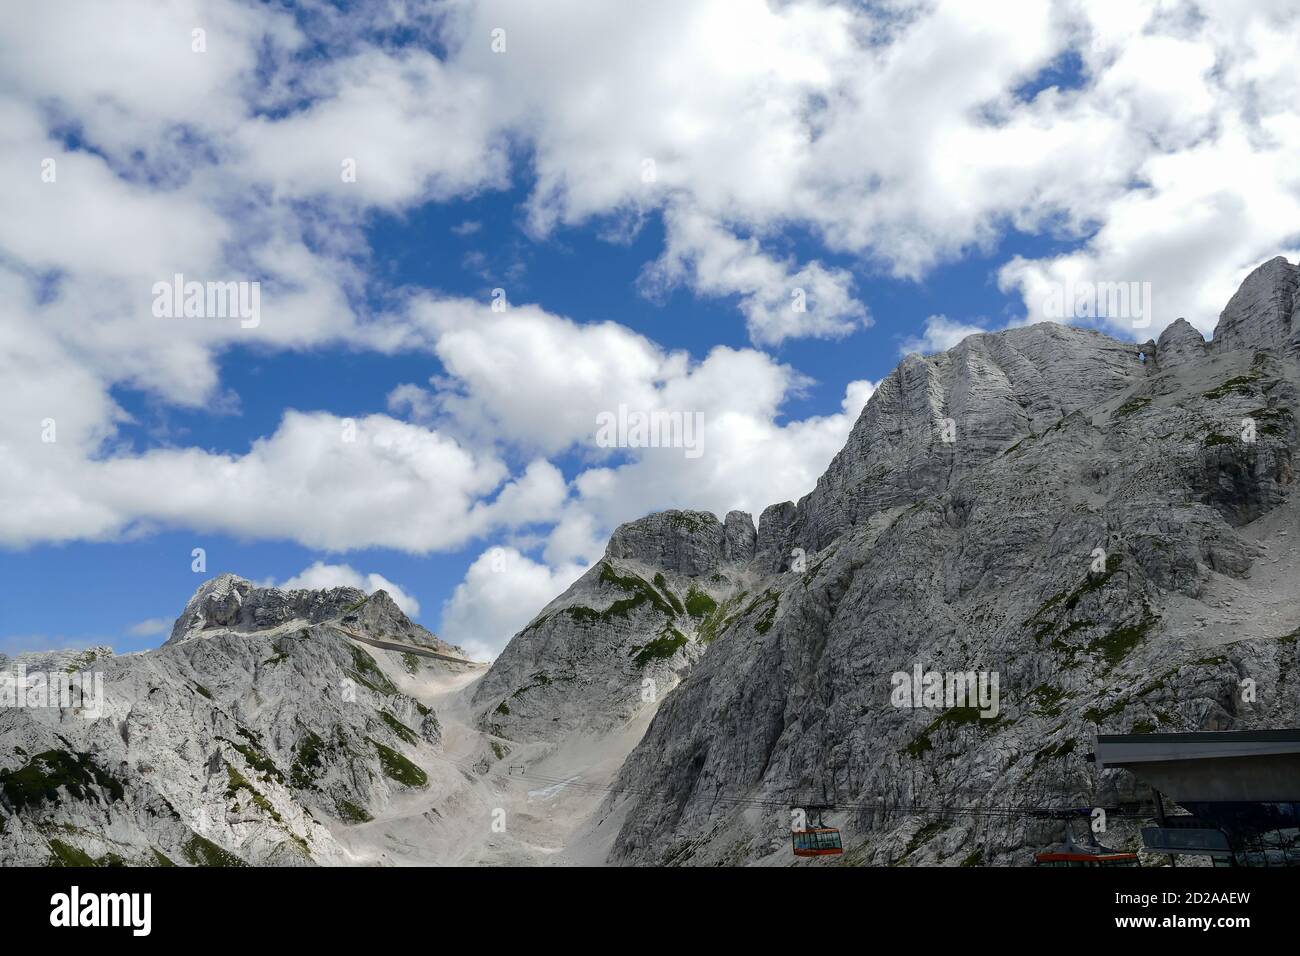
(540, 679)
(664, 646)
(1241, 385)
(1069, 600)
(366, 671)
(257, 760)
(1115, 645)
(767, 604)
(923, 836)
(952, 717)
(201, 852)
(82, 662)
(396, 767)
(349, 812)
(638, 587)
(397, 727)
(687, 521)
(662, 585)
(306, 762)
(1272, 421)
(699, 603)
(65, 855)
(410, 662)
(721, 618)
(41, 778)
(1099, 715)
(1047, 701)
(236, 782)
(1132, 406)
(1060, 750)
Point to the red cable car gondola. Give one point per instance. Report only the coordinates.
(818, 839)
(1071, 854)
(822, 841)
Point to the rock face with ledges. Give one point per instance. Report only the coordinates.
(229, 602)
(1108, 538)
(934, 419)
(1179, 344)
(1263, 312)
(624, 633)
(258, 729)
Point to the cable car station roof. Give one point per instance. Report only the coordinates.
(1212, 766)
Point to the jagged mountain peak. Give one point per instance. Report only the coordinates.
(1262, 314)
(229, 602)
(686, 542)
(1179, 344)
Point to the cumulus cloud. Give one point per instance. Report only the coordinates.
(150, 627)
(749, 460)
(784, 147)
(502, 591)
(321, 480)
(779, 298)
(321, 576)
(941, 333)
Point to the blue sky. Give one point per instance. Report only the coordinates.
(649, 186)
(100, 590)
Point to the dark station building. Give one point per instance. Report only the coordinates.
(1232, 796)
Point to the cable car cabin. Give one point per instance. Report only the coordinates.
(824, 841)
(1070, 853)
(1086, 859)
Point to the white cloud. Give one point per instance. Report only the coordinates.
(410, 129)
(321, 576)
(393, 485)
(502, 591)
(941, 333)
(150, 627)
(779, 299)
(749, 460)
(785, 139)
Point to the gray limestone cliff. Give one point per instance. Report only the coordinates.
(259, 733)
(1118, 542)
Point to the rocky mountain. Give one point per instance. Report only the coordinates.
(1117, 542)
(261, 732)
(623, 634)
